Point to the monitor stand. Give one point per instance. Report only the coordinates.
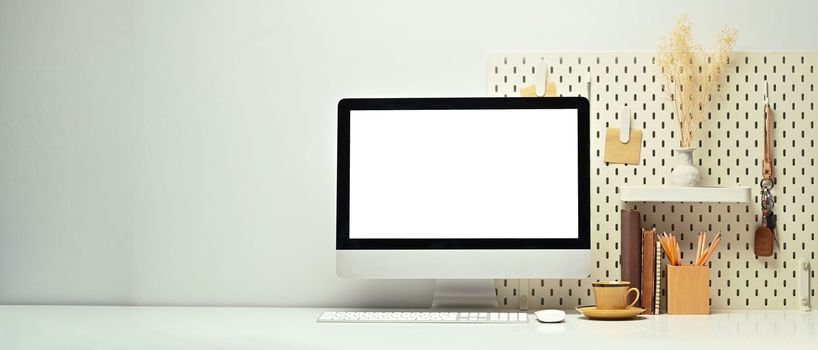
(461, 293)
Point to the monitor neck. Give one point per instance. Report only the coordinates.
(464, 293)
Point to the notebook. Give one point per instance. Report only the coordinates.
(657, 285)
(648, 266)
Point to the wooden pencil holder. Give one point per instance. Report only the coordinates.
(688, 290)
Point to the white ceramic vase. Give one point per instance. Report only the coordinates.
(685, 173)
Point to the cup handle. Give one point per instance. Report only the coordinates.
(634, 299)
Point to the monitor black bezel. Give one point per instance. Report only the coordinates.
(343, 242)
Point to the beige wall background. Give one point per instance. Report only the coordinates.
(183, 152)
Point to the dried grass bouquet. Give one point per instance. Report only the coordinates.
(692, 75)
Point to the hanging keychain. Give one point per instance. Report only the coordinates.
(765, 235)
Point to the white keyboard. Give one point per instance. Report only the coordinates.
(423, 317)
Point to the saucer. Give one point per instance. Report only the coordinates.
(595, 314)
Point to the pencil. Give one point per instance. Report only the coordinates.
(712, 247)
(678, 251)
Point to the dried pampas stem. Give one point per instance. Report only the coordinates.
(693, 75)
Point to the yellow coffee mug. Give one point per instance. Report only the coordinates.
(613, 295)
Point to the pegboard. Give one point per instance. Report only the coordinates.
(730, 143)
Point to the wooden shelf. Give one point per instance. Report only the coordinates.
(685, 194)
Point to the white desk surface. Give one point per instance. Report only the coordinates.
(87, 327)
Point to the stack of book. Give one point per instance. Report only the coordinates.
(641, 260)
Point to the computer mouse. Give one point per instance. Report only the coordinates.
(550, 316)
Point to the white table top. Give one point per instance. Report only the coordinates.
(88, 327)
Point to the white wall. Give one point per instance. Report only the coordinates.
(183, 152)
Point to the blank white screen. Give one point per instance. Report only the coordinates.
(463, 174)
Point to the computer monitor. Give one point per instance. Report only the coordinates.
(463, 188)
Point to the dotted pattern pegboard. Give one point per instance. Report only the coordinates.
(730, 145)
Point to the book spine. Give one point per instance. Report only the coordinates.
(630, 261)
